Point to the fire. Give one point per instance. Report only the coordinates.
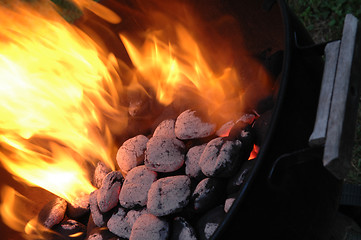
(61, 91)
(53, 100)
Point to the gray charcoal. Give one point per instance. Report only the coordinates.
(169, 195)
(164, 154)
(237, 181)
(108, 194)
(121, 222)
(52, 213)
(190, 126)
(101, 170)
(209, 222)
(131, 153)
(135, 188)
(71, 229)
(182, 230)
(100, 219)
(165, 128)
(149, 227)
(220, 158)
(79, 207)
(192, 169)
(101, 234)
(208, 193)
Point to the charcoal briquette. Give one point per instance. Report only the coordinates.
(131, 153)
(121, 222)
(208, 193)
(192, 169)
(150, 227)
(108, 194)
(168, 195)
(101, 234)
(100, 219)
(220, 158)
(190, 126)
(164, 154)
(209, 222)
(236, 182)
(182, 230)
(52, 213)
(101, 170)
(71, 229)
(79, 207)
(165, 128)
(134, 192)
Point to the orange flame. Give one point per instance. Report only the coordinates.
(53, 100)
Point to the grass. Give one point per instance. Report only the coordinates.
(324, 21)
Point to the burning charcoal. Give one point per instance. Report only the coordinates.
(182, 230)
(245, 120)
(52, 213)
(189, 126)
(168, 195)
(149, 227)
(164, 154)
(235, 183)
(71, 229)
(261, 126)
(100, 219)
(193, 170)
(100, 172)
(209, 222)
(121, 222)
(101, 234)
(220, 157)
(165, 128)
(136, 185)
(108, 194)
(208, 193)
(79, 207)
(131, 153)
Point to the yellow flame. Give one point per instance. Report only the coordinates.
(53, 101)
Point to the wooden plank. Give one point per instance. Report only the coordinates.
(318, 136)
(344, 103)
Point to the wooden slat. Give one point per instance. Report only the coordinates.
(318, 136)
(344, 103)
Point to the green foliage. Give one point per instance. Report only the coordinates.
(324, 19)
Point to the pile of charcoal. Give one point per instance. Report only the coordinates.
(179, 184)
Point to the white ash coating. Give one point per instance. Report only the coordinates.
(71, 229)
(228, 204)
(131, 153)
(108, 194)
(182, 230)
(247, 118)
(119, 225)
(136, 185)
(98, 217)
(219, 158)
(168, 195)
(53, 212)
(165, 128)
(193, 156)
(209, 229)
(149, 227)
(164, 154)
(101, 170)
(190, 126)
